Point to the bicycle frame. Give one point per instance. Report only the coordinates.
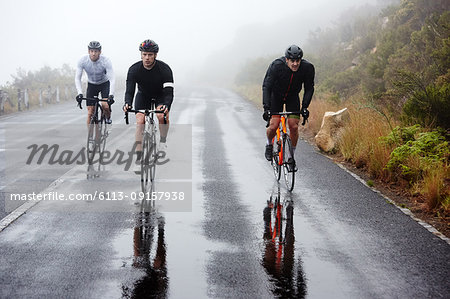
(148, 145)
(281, 133)
(97, 134)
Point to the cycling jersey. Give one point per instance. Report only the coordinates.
(282, 85)
(98, 72)
(156, 83)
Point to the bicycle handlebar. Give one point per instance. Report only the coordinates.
(96, 100)
(286, 114)
(145, 111)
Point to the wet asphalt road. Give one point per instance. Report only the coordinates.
(342, 240)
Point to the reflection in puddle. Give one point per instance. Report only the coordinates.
(279, 253)
(149, 254)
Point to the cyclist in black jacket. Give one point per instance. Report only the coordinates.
(155, 81)
(282, 84)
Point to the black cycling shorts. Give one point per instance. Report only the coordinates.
(143, 102)
(292, 104)
(93, 90)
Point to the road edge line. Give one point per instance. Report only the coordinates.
(22, 209)
(19, 211)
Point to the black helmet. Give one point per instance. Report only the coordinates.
(293, 52)
(148, 46)
(95, 45)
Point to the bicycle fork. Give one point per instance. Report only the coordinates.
(281, 132)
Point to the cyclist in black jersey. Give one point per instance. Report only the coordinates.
(155, 81)
(282, 85)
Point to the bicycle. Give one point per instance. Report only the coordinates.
(282, 151)
(97, 133)
(149, 151)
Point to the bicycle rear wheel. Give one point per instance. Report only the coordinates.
(288, 169)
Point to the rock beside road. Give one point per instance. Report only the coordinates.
(331, 129)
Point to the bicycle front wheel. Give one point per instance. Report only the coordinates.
(153, 155)
(145, 160)
(101, 142)
(276, 155)
(91, 145)
(288, 166)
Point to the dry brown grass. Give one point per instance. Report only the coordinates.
(360, 142)
(434, 186)
(379, 157)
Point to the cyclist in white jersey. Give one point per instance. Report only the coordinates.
(100, 77)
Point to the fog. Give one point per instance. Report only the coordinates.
(195, 37)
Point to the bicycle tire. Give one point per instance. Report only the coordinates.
(277, 148)
(145, 159)
(153, 154)
(101, 142)
(289, 173)
(91, 144)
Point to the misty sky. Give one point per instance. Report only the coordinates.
(54, 32)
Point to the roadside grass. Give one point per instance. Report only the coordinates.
(417, 159)
(434, 186)
(360, 142)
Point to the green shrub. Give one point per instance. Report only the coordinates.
(419, 154)
(401, 135)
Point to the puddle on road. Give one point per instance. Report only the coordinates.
(323, 265)
(123, 246)
(168, 256)
(140, 255)
(297, 257)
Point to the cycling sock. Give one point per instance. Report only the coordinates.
(269, 141)
(163, 139)
(293, 149)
